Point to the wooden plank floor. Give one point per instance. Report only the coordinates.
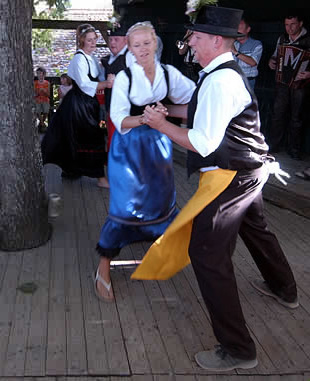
(61, 332)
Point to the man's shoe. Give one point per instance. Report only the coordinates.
(219, 360)
(263, 287)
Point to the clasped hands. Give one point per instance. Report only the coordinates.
(154, 115)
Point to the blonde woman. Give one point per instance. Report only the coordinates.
(142, 192)
(74, 141)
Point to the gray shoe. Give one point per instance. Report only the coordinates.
(263, 287)
(220, 361)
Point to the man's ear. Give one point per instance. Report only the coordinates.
(218, 40)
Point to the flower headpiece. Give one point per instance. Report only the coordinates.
(114, 21)
(193, 7)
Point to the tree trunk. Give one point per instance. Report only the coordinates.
(23, 202)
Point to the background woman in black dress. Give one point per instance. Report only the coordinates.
(74, 140)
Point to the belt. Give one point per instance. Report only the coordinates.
(250, 78)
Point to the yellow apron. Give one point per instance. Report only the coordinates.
(169, 253)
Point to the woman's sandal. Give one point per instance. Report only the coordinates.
(108, 286)
(303, 175)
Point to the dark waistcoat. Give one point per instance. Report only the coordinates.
(243, 145)
(116, 66)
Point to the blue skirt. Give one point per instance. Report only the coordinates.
(142, 191)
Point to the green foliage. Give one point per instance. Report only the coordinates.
(47, 10)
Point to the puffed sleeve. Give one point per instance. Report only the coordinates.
(181, 88)
(78, 71)
(120, 104)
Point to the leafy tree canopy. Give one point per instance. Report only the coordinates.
(48, 9)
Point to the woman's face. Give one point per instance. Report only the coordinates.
(143, 45)
(63, 81)
(90, 42)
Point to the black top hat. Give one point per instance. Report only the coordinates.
(118, 31)
(217, 20)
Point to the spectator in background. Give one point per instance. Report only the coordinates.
(247, 52)
(287, 120)
(119, 59)
(42, 97)
(191, 66)
(65, 86)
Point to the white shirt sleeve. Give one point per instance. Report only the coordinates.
(219, 100)
(257, 53)
(78, 71)
(120, 104)
(101, 70)
(181, 88)
(130, 58)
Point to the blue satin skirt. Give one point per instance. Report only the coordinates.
(142, 191)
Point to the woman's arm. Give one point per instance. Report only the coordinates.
(78, 71)
(132, 121)
(120, 105)
(108, 83)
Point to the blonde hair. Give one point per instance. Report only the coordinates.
(81, 33)
(144, 25)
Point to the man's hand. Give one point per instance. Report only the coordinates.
(155, 115)
(302, 75)
(272, 63)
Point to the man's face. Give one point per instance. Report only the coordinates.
(244, 29)
(203, 47)
(293, 26)
(116, 44)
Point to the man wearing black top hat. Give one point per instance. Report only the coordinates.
(118, 60)
(224, 134)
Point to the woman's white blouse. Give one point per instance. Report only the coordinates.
(78, 71)
(143, 92)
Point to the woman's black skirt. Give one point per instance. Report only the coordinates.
(74, 141)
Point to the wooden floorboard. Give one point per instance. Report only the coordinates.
(62, 332)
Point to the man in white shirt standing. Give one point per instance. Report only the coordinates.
(224, 134)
